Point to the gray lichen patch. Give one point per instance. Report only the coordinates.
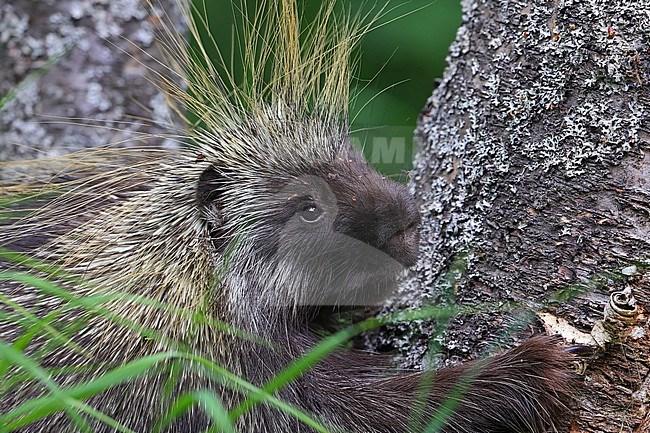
(528, 152)
(101, 80)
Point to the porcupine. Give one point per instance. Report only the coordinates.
(268, 220)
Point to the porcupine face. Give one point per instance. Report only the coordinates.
(336, 234)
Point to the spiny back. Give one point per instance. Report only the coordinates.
(131, 223)
(291, 75)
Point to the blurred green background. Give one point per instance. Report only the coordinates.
(406, 55)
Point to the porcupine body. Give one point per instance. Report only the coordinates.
(269, 219)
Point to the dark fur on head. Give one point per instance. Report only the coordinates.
(336, 234)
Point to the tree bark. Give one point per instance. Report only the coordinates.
(100, 78)
(535, 164)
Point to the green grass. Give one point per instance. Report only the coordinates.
(17, 366)
(13, 362)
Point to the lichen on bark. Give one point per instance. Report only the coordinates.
(101, 79)
(535, 161)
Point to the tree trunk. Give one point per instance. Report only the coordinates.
(100, 76)
(535, 164)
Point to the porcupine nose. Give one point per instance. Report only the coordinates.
(378, 212)
(397, 231)
(384, 216)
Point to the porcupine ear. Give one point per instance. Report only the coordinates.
(209, 193)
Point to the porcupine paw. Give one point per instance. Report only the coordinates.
(537, 384)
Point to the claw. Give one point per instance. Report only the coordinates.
(580, 350)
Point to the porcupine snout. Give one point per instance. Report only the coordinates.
(351, 233)
(378, 212)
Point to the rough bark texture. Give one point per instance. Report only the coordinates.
(535, 160)
(101, 77)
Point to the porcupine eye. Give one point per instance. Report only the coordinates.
(310, 213)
